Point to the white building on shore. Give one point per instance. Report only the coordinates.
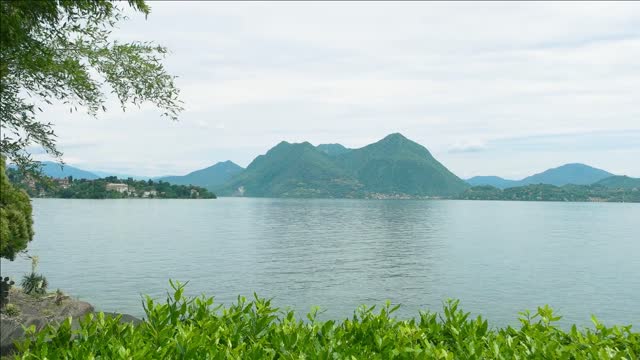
(121, 188)
(151, 193)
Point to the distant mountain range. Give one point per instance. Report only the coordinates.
(56, 170)
(209, 178)
(577, 174)
(392, 167)
(495, 181)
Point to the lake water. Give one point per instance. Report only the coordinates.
(498, 258)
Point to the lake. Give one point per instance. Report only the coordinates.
(498, 258)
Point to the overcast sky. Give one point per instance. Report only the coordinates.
(502, 89)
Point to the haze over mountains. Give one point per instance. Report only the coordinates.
(394, 167)
(577, 174)
(55, 170)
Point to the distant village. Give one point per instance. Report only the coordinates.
(105, 188)
(131, 191)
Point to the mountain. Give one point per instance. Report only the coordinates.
(209, 178)
(577, 174)
(332, 149)
(494, 181)
(54, 170)
(620, 182)
(393, 167)
(293, 170)
(397, 165)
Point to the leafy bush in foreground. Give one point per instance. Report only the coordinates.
(192, 328)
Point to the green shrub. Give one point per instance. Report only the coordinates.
(16, 223)
(12, 310)
(193, 328)
(34, 284)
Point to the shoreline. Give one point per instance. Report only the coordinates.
(40, 311)
(358, 198)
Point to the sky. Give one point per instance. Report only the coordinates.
(507, 89)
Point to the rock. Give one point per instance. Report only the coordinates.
(11, 330)
(37, 311)
(43, 310)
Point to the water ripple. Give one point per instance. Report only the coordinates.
(497, 257)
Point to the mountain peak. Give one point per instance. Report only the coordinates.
(574, 165)
(397, 145)
(226, 164)
(395, 137)
(210, 177)
(288, 145)
(575, 173)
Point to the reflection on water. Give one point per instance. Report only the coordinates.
(497, 257)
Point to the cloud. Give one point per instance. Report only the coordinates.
(477, 84)
(467, 147)
(587, 141)
(36, 150)
(614, 151)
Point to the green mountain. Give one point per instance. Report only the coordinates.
(397, 165)
(293, 170)
(333, 149)
(577, 174)
(620, 182)
(494, 181)
(392, 167)
(208, 178)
